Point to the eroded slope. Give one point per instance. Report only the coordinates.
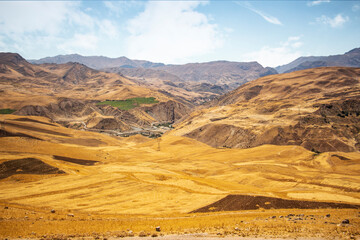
(317, 108)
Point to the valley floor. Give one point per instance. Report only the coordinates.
(24, 222)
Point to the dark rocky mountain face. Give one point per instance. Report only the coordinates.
(219, 72)
(349, 59)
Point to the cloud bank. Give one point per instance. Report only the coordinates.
(171, 32)
(275, 56)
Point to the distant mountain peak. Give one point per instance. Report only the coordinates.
(348, 59)
(355, 50)
(8, 57)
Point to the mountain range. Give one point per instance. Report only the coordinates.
(219, 76)
(348, 59)
(97, 62)
(282, 109)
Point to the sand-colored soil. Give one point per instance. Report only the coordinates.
(137, 185)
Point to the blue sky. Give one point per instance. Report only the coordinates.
(176, 32)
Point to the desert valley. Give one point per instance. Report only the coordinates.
(100, 148)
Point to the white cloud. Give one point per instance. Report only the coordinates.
(24, 16)
(275, 56)
(336, 22)
(108, 29)
(171, 32)
(79, 42)
(267, 17)
(317, 2)
(33, 28)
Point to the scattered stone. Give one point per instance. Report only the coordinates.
(143, 234)
(70, 215)
(154, 235)
(346, 221)
(52, 211)
(6, 207)
(158, 229)
(328, 215)
(273, 217)
(130, 233)
(237, 229)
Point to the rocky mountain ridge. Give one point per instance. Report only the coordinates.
(348, 59)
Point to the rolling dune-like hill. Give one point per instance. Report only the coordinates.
(110, 183)
(317, 108)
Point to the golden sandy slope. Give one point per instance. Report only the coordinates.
(104, 186)
(170, 175)
(315, 108)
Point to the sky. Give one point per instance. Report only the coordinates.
(272, 33)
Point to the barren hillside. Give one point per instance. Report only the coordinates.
(316, 108)
(70, 93)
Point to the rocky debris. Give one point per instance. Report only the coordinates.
(52, 211)
(6, 207)
(71, 215)
(143, 234)
(345, 221)
(158, 229)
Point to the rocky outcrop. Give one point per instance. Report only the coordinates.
(169, 111)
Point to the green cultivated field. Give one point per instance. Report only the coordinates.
(129, 103)
(7, 111)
